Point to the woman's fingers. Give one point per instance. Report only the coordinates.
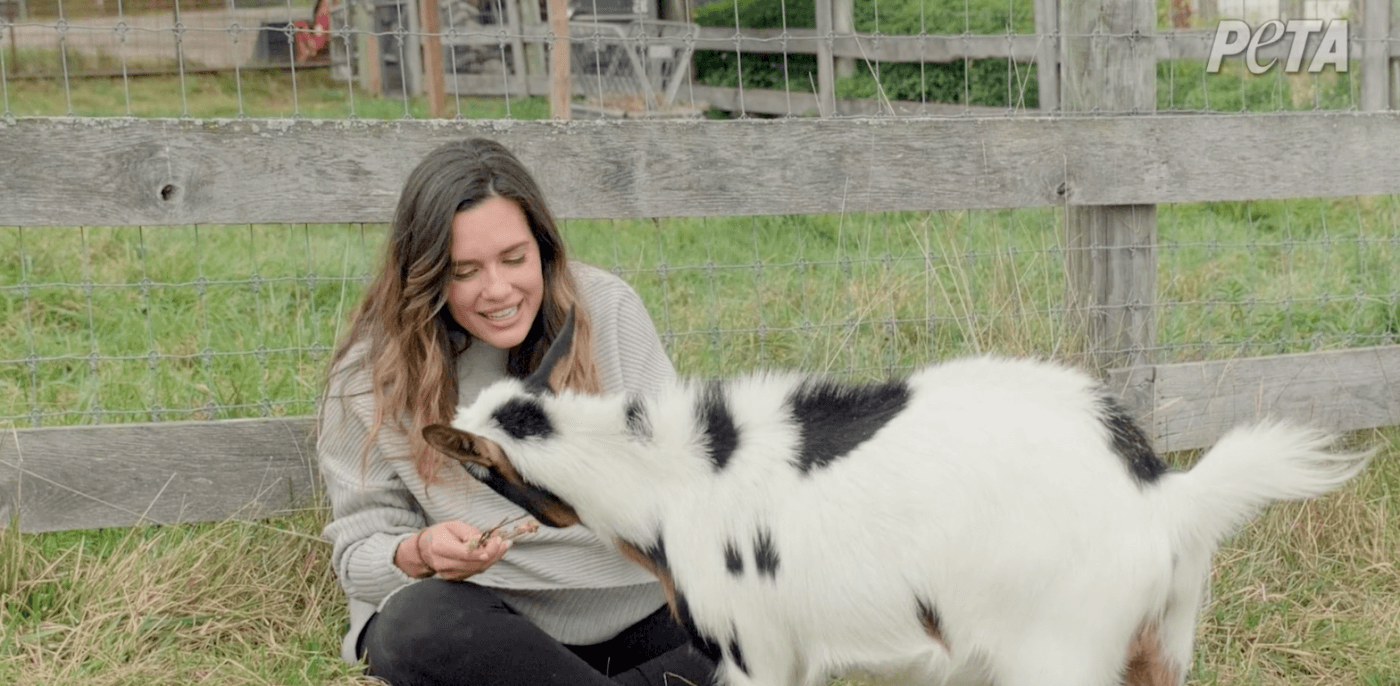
(456, 551)
(476, 559)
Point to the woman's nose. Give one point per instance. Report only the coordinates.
(496, 285)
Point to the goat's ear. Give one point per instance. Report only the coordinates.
(538, 382)
(454, 443)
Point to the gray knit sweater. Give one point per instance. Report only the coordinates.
(575, 587)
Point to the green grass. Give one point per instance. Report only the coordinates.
(134, 324)
(310, 93)
(71, 9)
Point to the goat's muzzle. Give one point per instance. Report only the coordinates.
(494, 470)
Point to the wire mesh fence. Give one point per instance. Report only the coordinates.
(142, 323)
(121, 324)
(345, 58)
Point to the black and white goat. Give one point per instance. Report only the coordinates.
(982, 521)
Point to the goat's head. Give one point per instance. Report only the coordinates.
(516, 409)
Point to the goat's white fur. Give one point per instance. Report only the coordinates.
(994, 495)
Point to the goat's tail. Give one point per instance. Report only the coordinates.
(1249, 468)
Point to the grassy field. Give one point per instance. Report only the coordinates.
(185, 322)
(131, 324)
(311, 94)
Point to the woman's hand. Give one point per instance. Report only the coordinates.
(452, 550)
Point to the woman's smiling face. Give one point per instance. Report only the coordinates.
(497, 280)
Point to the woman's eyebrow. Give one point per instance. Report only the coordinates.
(511, 249)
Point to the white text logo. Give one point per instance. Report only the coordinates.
(1233, 37)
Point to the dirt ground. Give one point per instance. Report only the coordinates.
(210, 38)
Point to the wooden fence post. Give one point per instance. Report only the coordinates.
(431, 40)
(516, 28)
(367, 49)
(1208, 13)
(826, 81)
(561, 86)
(411, 58)
(1109, 65)
(1394, 28)
(14, 12)
(1047, 54)
(843, 24)
(534, 52)
(1375, 55)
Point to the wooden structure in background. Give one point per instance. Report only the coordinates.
(840, 50)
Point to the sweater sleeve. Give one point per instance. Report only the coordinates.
(372, 509)
(646, 368)
(629, 353)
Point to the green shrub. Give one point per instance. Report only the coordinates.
(992, 82)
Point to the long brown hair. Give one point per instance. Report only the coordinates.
(404, 317)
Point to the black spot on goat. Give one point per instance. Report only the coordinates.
(717, 425)
(732, 560)
(706, 645)
(1129, 442)
(523, 418)
(651, 557)
(638, 426)
(737, 655)
(833, 418)
(931, 621)
(765, 554)
(656, 552)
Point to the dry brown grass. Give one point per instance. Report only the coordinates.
(227, 603)
(1307, 594)
(1310, 592)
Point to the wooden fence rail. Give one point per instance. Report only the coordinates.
(118, 475)
(1018, 47)
(171, 171)
(85, 477)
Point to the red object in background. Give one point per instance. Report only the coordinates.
(311, 38)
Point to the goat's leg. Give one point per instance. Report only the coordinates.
(1190, 591)
(1055, 661)
(1149, 662)
(752, 665)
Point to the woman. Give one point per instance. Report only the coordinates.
(474, 285)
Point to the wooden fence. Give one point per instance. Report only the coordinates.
(1108, 172)
(834, 42)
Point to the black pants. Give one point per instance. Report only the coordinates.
(445, 632)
